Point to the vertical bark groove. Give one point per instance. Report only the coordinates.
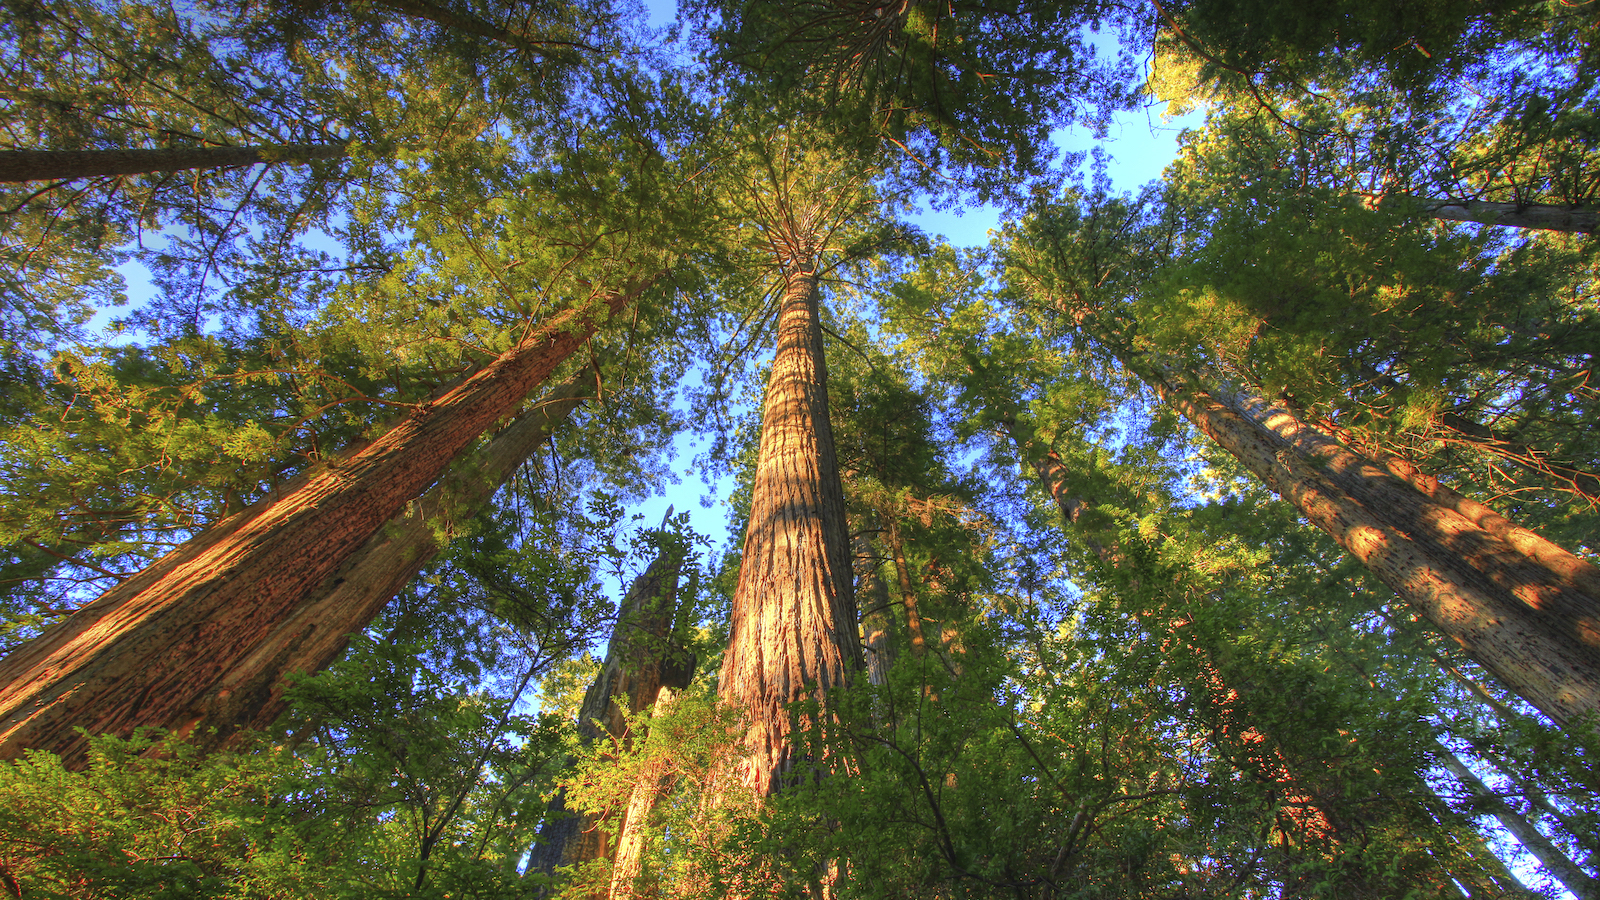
(794, 623)
(1537, 628)
(142, 653)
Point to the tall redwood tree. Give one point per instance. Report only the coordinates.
(147, 650)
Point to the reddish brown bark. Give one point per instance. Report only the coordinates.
(250, 694)
(908, 590)
(1525, 610)
(794, 623)
(145, 651)
(1302, 815)
(64, 165)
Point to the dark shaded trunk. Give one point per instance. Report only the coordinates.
(65, 165)
(150, 648)
(641, 659)
(250, 694)
(793, 635)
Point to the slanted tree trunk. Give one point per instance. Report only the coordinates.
(1554, 861)
(65, 165)
(250, 694)
(1524, 608)
(793, 635)
(148, 649)
(1313, 811)
(641, 659)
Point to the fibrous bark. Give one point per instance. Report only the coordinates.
(148, 649)
(794, 622)
(250, 694)
(1524, 608)
(64, 165)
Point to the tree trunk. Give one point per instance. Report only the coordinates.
(1313, 810)
(641, 659)
(145, 651)
(793, 632)
(250, 694)
(877, 625)
(908, 590)
(1524, 609)
(628, 876)
(1555, 862)
(64, 165)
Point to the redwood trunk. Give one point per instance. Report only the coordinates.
(1313, 811)
(641, 659)
(1523, 608)
(64, 165)
(793, 626)
(629, 880)
(148, 649)
(908, 590)
(250, 694)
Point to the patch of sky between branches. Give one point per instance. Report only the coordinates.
(1138, 145)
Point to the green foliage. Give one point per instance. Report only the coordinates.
(152, 818)
(1173, 690)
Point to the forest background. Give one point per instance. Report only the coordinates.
(1232, 536)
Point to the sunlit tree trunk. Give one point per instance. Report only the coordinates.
(629, 879)
(1524, 608)
(64, 165)
(148, 649)
(793, 626)
(1313, 813)
(250, 694)
(908, 589)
